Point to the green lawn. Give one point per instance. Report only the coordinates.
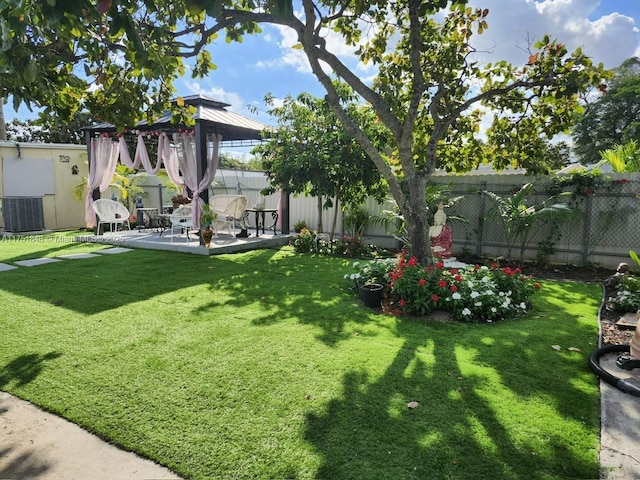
(263, 365)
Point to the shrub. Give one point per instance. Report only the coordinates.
(472, 294)
(305, 242)
(627, 298)
(351, 246)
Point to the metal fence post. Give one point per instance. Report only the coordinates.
(480, 236)
(587, 230)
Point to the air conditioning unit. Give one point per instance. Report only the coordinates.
(22, 214)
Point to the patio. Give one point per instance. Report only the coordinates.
(156, 239)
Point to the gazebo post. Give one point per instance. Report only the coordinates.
(88, 135)
(201, 159)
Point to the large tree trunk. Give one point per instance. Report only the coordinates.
(416, 220)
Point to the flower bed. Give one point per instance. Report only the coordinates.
(474, 294)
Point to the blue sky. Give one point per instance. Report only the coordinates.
(607, 30)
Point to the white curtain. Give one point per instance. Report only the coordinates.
(102, 165)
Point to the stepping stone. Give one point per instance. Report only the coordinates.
(36, 261)
(629, 320)
(5, 266)
(115, 250)
(77, 256)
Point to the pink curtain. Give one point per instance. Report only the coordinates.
(141, 156)
(102, 165)
(185, 144)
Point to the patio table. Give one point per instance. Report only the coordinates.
(260, 215)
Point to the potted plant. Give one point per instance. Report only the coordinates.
(299, 225)
(207, 217)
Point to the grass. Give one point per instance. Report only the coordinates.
(263, 365)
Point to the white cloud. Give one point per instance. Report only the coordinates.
(236, 101)
(512, 23)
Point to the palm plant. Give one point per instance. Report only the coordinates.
(125, 180)
(518, 218)
(623, 158)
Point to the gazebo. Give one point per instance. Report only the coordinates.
(215, 127)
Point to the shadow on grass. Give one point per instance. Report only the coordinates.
(453, 433)
(25, 368)
(459, 429)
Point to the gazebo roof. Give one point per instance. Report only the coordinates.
(209, 112)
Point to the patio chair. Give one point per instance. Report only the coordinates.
(182, 218)
(230, 209)
(111, 212)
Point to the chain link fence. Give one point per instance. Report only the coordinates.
(604, 226)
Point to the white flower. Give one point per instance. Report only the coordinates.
(494, 309)
(456, 296)
(478, 304)
(488, 292)
(474, 294)
(501, 294)
(523, 305)
(484, 267)
(470, 284)
(508, 293)
(485, 280)
(466, 311)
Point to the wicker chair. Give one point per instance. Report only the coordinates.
(182, 218)
(111, 212)
(229, 208)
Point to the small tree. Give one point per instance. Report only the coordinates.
(310, 153)
(519, 219)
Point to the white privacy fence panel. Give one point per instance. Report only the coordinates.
(604, 232)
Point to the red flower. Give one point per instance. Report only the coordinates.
(494, 265)
(458, 278)
(454, 271)
(477, 267)
(401, 302)
(442, 283)
(413, 261)
(453, 288)
(434, 298)
(439, 265)
(422, 281)
(536, 286)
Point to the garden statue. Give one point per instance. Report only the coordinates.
(440, 234)
(614, 280)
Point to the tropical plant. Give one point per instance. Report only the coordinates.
(519, 219)
(125, 181)
(622, 158)
(207, 215)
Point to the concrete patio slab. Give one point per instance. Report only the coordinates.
(4, 267)
(36, 261)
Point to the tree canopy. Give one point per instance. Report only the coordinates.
(614, 118)
(430, 91)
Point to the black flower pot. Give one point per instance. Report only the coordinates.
(371, 294)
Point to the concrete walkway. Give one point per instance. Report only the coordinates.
(37, 445)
